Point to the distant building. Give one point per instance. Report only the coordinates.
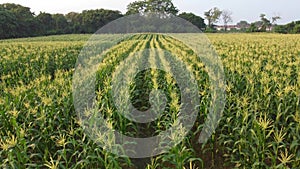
(270, 28)
(238, 27)
(229, 27)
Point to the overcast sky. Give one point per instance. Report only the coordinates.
(248, 10)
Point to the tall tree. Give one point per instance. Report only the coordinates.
(227, 18)
(266, 23)
(155, 6)
(212, 16)
(161, 6)
(194, 19)
(275, 19)
(136, 7)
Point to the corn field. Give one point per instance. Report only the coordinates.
(260, 126)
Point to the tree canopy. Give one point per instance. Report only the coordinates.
(194, 19)
(212, 16)
(154, 6)
(18, 21)
(92, 20)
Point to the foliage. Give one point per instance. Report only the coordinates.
(194, 19)
(212, 16)
(253, 28)
(262, 115)
(210, 30)
(280, 29)
(92, 20)
(19, 18)
(10, 26)
(136, 7)
(292, 27)
(266, 23)
(154, 6)
(18, 21)
(259, 128)
(60, 23)
(47, 23)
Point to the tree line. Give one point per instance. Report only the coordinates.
(18, 21)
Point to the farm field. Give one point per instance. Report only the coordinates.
(260, 126)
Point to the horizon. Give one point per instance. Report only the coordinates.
(239, 9)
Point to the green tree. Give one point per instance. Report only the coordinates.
(47, 23)
(296, 28)
(280, 29)
(92, 20)
(161, 6)
(27, 24)
(194, 19)
(212, 16)
(253, 28)
(60, 23)
(266, 23)
(155, 6)
(9, 25)
(290, 27)
(136, 7)
(74, 20)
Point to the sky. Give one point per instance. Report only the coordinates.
(248, 10)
